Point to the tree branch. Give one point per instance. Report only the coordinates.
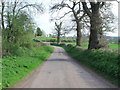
(86, 9)
(82, 16)
(101, 5)
(64, 15)
(29, 5)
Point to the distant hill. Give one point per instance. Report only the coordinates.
(112, 37)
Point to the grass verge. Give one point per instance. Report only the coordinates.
(104, 63)
(14, 68)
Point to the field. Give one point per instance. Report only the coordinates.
(17, 67)
(49, 38)
(84, 44)
(110, 45)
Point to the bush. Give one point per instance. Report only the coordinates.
(52, 40)
(14, 68)
(70, 45)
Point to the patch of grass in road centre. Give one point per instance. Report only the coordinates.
(16, 67)
(106, 64)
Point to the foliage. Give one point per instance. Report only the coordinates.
(39, 32)
(16, 67)
(104, 63)
(20, 54)
(19, 35)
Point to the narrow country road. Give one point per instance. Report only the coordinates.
(61, 71)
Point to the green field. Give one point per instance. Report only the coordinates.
(45, 38)
(84, 44)
(110, 45)
(114, 46)
(49, 38)
(14, 68)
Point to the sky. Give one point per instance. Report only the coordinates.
(43, 20)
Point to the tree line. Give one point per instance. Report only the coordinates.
(96, 17)
(17, 25)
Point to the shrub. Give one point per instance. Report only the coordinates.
(107, 64)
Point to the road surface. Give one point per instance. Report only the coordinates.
(61, 71)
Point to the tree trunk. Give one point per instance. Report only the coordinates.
(2, 16)
(79, 35)
(58, 37)
(95, 26)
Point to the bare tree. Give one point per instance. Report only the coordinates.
(58, 29)
(14, 7)
(76, 10)
(108, 19)
(95, 22)
(107, 24)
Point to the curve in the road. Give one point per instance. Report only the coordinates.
(61, 71)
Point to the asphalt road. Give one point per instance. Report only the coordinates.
(61, 71)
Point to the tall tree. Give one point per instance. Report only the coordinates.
(75, 9)
(108, 21)
(11, 11)
(17, 25)
(2, 15)
(58, 28)
(95, 22)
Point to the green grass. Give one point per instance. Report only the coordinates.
(49, 38)
(106, 64)
(113, 46)
(84, 44)
(45, 38)
(16, 67)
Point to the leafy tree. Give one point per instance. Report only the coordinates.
(20, 35)
(39, 32)
(17, 25)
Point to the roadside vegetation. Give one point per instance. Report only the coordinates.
(22, 41)
(102, 62)
(17, 67)
(21, 54)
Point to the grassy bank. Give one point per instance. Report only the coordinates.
(16, 67)
(104, 63)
